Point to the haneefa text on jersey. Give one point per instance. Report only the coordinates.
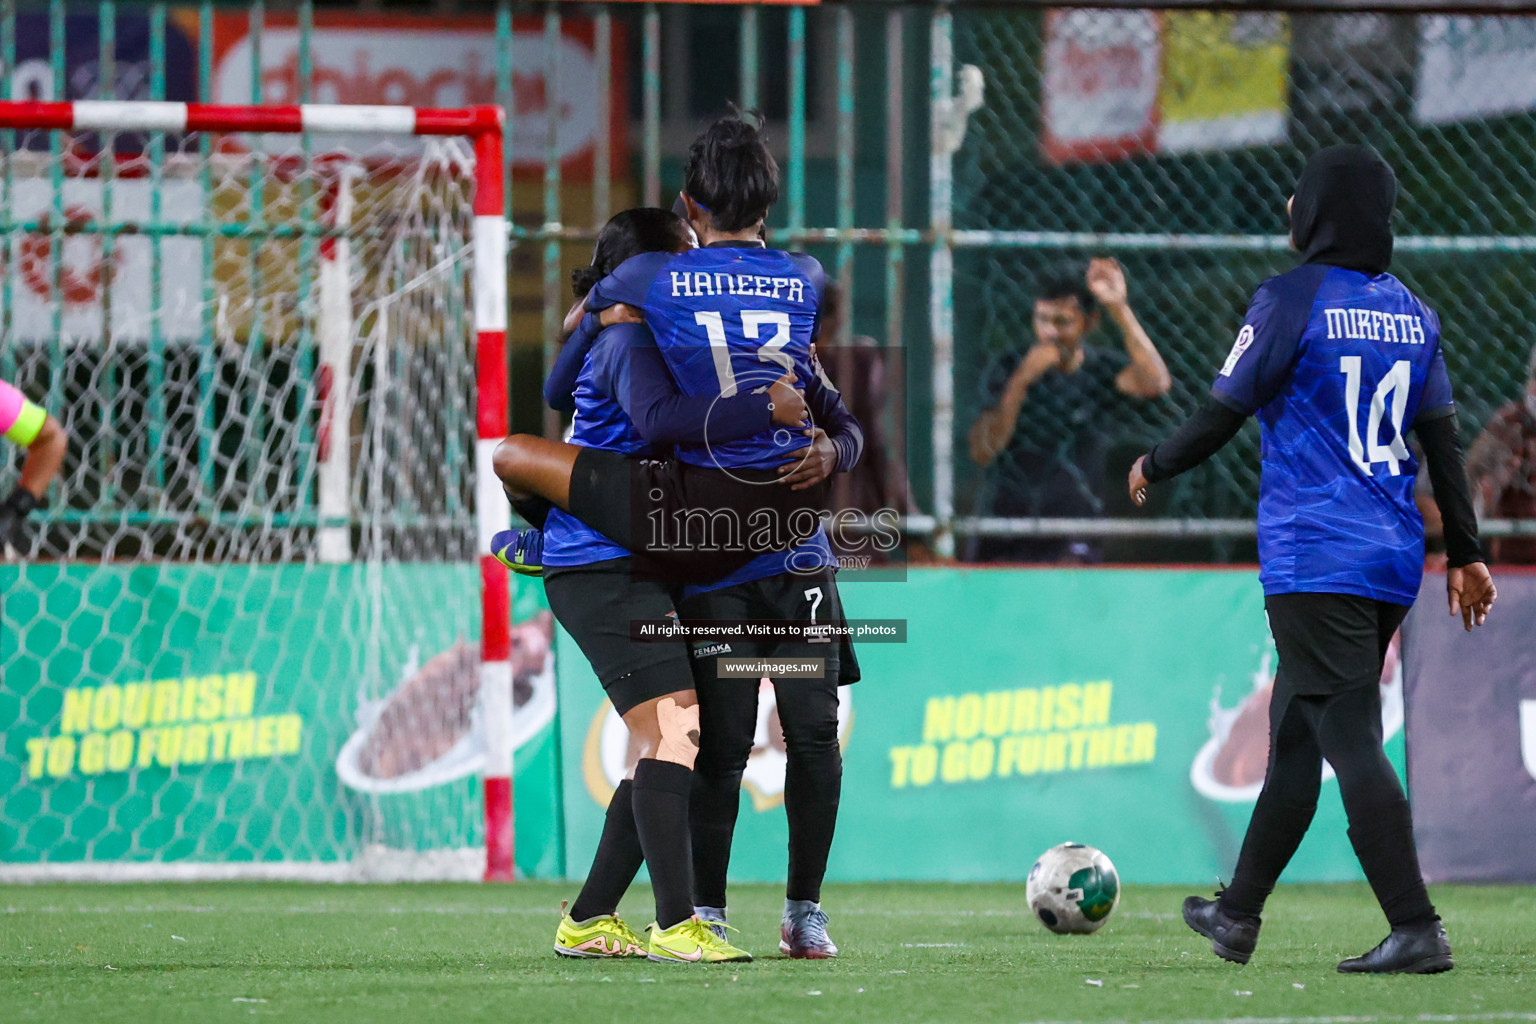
(696, 283)
(1375, 325)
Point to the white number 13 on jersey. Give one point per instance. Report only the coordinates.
(752, 323)
(1395, 386)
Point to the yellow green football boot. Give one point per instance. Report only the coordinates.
(522, 551)
(692, 941)
(601, 937)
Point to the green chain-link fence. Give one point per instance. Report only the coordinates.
(1171, 141)
(1167, 140)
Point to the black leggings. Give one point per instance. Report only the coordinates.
(812, 786)
(1327, 706)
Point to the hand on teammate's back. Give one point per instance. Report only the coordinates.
(572, 320)
(812, 464)
(785, 402)
(1471, 593)
(619, 313)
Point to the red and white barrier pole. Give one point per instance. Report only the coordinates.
(334, 381)
(491, 510)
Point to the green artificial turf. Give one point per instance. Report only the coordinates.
(413, 954)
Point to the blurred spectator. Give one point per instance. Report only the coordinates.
(870, 381)
(1501, 467)
(1050, 412)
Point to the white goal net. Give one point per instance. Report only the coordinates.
(245, 636)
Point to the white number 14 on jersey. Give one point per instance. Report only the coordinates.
(1393, 386)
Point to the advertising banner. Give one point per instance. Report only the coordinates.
(1101, 83)
(1475, 67)
(436, 62)
(1224, 80)
(1120, 84)
(1472, 719)
(302, 719)
(85, 266)
(1350, 65)
(32, 76)
(1126, 709)
(84, 269)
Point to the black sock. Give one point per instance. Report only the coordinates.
(616, 862)
(533, 509)
(812, 788)
(661, 796)
(712, 814)
(1382, 836)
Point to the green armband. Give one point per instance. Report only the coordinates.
(29, 423)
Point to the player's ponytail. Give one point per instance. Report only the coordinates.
(730, 172)
(630, 233)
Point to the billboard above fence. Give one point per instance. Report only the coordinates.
(353, 59)
(433, 62)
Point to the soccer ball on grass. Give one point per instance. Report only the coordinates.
(1073, 889)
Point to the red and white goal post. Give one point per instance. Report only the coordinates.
(286, 492)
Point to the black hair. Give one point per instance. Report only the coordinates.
(642, 229)
(731, 173)
(1065, 281)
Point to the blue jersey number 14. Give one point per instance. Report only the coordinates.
(1394, 387)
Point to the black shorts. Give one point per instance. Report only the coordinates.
(787, 597)
(686, 522)
(1330, 643)
(595, 603)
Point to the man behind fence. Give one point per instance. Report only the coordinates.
(1502, 465)
(1045, 432)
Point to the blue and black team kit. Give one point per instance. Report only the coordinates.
(671, 418)
(1338, 365)
(1339, 361)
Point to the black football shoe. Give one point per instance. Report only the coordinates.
(1232, 938)
(1420, 949)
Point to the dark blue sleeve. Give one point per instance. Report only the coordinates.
(1436, 402)
(829, 413)
(1264, 354)
(630, 283)
(560, 388)
(630, 368)
(811, 267)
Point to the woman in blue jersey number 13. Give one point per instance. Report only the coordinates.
(729, 319)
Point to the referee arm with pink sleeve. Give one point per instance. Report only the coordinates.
(43, 437)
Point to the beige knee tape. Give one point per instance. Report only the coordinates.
(679, 732)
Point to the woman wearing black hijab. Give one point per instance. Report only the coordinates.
(1337, 359)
